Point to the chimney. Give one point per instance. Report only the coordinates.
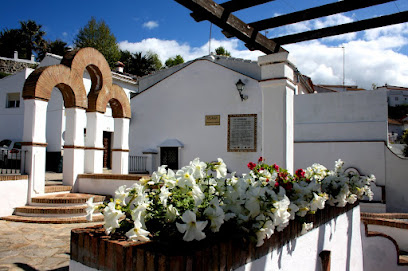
(119, 67)
(32, 58)
(15, 55)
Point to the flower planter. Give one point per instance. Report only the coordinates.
(92, 249)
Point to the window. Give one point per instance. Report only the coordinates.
(13, 100)
(396, 98)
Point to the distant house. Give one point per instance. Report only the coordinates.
(336, 88)
(12, 111)
(395, 130)
(12, 65)
(395, 95)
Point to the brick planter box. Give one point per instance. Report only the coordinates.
(93, 249)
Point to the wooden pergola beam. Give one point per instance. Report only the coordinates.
(316, 12)
(216, 14)
(233, 5)
(381, 21)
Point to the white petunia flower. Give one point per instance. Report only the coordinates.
(112, 216)
(264, 233)
(164, 195)
(171, 213)
(220, 168)
(91, 207)
(138, 233)
(198, 168)
(193, 229)
(121, 194)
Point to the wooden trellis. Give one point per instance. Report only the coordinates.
(221, 15)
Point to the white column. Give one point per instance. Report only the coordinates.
(73, 161)
(94, 143)
(33, 149)
(120, 150)
(277, 85)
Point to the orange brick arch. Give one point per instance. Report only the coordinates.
(68, 78)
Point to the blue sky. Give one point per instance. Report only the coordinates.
(377, 56)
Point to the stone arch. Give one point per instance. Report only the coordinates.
(116, 97)
(41, 81)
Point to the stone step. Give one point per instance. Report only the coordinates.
(65, 199)
(57, 188)
(58, 211)
(52, 220)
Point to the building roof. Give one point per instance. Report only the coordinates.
(171, 143)
(389, 87)
(394, 122)
(246, 67)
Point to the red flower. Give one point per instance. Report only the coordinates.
(267, 180)
(251, 165)
(276, 167)
(300, 173)
(288, 186)
(283, 175)
(260, 159)
(276, 184)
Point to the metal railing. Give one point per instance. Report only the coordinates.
(10, 161)
(137, 164)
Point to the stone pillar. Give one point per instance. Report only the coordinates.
(94, 143)
(73, 161)
(278, 88)
(33, 146)
(120, 150)
(151, 160)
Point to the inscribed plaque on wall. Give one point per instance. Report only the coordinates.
(242, 133)
(212, 120)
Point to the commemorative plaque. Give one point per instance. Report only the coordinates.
(242, 133)
(211, 120)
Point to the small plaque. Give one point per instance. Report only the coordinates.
(242, 133)
(212, 120)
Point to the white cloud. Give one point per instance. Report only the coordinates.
(65, 34)
(151, 24)
(171, 48)
(375, 57)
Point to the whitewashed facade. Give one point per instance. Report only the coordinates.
(12, 114)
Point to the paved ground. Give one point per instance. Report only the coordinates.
(26, 246)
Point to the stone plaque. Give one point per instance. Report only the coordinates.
(212, 120)
(242, 133)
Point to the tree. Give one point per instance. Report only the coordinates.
(98, 35)
(173, 61)
(33, 38)
(140, 64)
(405, 141)
(10, 41)
(57, 47)
(27, 40)
(156, 60)
(222, 52)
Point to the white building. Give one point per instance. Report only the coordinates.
(12, 112)
(195, 110)
(396, 95)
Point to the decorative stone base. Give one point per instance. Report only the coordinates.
(90, 247)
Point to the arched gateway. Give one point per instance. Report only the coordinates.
(82, 111)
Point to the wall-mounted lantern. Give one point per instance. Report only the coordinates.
(240, 87)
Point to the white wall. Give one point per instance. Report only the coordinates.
(379, 253)
(350, 116)
(175, 108)
(398, 234)
(102, 186)
(12, 194)
(55, 121)
(11, 119)
(341, 236)
(397, 182)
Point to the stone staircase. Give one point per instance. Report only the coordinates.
(57, 206)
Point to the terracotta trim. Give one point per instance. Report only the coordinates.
(13, 177)
(122, 150)
(73, 147)
(34, 144)
(94, 148)
(385, 215)
(380, 234)
(128, 177)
